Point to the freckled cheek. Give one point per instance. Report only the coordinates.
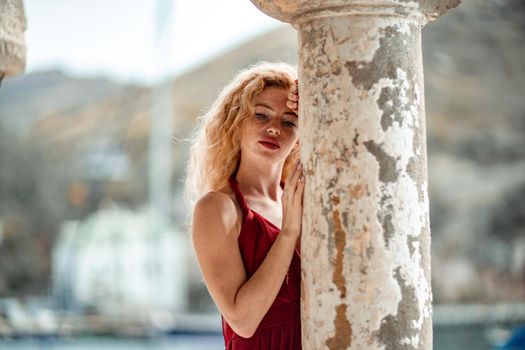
(252, 128)
(292, 137)
(293, 133)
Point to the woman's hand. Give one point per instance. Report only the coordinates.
(293, 98)
(292, 201)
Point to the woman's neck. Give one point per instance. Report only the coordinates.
(260, 180)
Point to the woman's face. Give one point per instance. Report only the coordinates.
(271, 132)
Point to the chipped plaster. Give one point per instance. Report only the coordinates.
(366, 237)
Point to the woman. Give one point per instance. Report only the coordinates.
(247, 222)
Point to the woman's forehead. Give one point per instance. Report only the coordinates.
(274, 94)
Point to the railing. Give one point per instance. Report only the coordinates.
(461, 314)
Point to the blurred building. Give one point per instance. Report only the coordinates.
(120, 262)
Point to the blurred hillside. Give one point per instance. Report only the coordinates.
(475, 82)
(69, 145)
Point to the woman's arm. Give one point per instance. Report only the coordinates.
(243, 302)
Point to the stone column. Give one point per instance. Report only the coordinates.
(366, 237)
(12, 43)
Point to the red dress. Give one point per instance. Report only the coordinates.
(280, 328)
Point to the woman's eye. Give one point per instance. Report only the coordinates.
(261, 116)
(289, 124)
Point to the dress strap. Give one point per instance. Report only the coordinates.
(238, 194)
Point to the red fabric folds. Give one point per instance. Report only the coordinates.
(280, 328)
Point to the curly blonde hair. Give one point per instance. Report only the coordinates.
(215, 153)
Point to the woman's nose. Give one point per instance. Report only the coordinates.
(273, 130)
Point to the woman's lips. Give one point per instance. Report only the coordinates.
(269, 145)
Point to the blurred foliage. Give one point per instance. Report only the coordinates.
(31, 209)
(507, 221)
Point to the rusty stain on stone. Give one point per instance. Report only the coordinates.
(345, 219)
(357, 191)
(342, 338)
(340, 242)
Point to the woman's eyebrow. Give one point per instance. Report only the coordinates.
(261, 104)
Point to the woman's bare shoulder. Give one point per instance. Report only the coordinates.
(220, 200)
(218, 209)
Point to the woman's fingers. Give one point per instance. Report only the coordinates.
(291, 181)
(293, 98)
(292, 104)
(297, 173)
(292, 95)
(297, 183)
(288, 183)
(300, 186)
(292, 199)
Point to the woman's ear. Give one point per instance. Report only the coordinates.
(295, 145)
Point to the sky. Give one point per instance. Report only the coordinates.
(139, 41)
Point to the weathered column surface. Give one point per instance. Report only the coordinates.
(12, 43)
(366, 237)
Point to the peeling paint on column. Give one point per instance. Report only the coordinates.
(366, 238)
(402, 35)
(388, 228)
(387, 164)
(416, 167)
(412, 242)
(360, 185)
(389, 102)
(396, 331)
